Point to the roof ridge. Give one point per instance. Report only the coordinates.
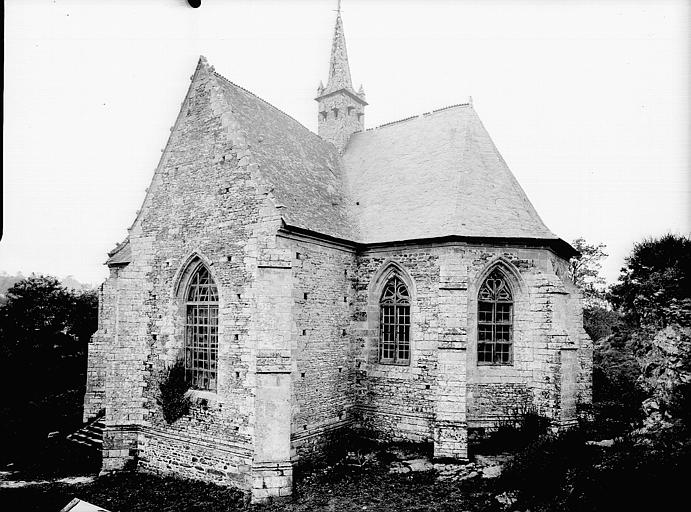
(466, 104)
(458, 186)
(424, 114)
(269, 104)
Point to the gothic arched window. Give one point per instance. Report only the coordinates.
(495, 321)
(394, 339)
(201, 331)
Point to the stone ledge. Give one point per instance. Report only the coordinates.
(453, 344)
(453, 283)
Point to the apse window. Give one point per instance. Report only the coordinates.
(394, 339)
(495, 321)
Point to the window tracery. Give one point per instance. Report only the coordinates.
(394, 339)
(495, 321)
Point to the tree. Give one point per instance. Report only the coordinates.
(585, 271)
(598, 318)
(654, 292)
(40, 311)
(654, 287)
(44, 330)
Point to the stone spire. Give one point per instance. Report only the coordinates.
(339, 70)
(341, 109)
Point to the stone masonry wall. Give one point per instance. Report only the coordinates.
(396, 402)
(204, 205)
(125, 372)
(539, 295)
(339, 117)
(94, 397)
(323, 297)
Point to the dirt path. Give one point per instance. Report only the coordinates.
(6, 483)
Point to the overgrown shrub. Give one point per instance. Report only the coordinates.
(539, 470)
(599, 322)
(44, 331)
(563, 473)
(617, 395)
(680, 404)
(173, 399)
(521, 425)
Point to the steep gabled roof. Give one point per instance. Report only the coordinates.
(435, 175)
(431, 176)
(304, 171)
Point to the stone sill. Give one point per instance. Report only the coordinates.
(200, 394)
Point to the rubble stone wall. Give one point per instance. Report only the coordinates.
(323, 296)
(397, 402)
(204, 205)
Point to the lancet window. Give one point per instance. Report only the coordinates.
(201, 331)
(495, 321)
(394, 339)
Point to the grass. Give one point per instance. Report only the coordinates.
(126, 492)
(340, 490)
(552, 473)
(335, 487)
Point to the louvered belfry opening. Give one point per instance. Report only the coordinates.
(394, 340)
(495, 321)
(201, 331)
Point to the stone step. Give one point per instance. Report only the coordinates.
(86, 437)
(90, 435)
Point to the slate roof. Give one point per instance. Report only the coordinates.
(435, 175)
(304, 170)
(121, 255)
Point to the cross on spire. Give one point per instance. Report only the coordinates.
(339, 70)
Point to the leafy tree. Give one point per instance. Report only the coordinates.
(600, 321)
(44, 330)
(654, 287)
(598, 318)
(585, 271)
(654, 293)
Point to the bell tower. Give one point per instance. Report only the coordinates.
(341, 109)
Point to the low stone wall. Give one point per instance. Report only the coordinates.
(189, 457)
(489, 403)
(390, 425)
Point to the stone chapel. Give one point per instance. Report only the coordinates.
(392, 281)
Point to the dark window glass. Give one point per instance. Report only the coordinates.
(201, 331)
(495, 321)
(394, 340)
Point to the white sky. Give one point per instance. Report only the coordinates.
(588, 102)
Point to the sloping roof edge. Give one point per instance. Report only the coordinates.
(557, 245)
(120, 255)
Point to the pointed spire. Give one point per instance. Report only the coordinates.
(320, 88)
(361, 92)
(341, 110)
(339, 70)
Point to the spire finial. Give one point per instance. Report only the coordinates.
(339, 70)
